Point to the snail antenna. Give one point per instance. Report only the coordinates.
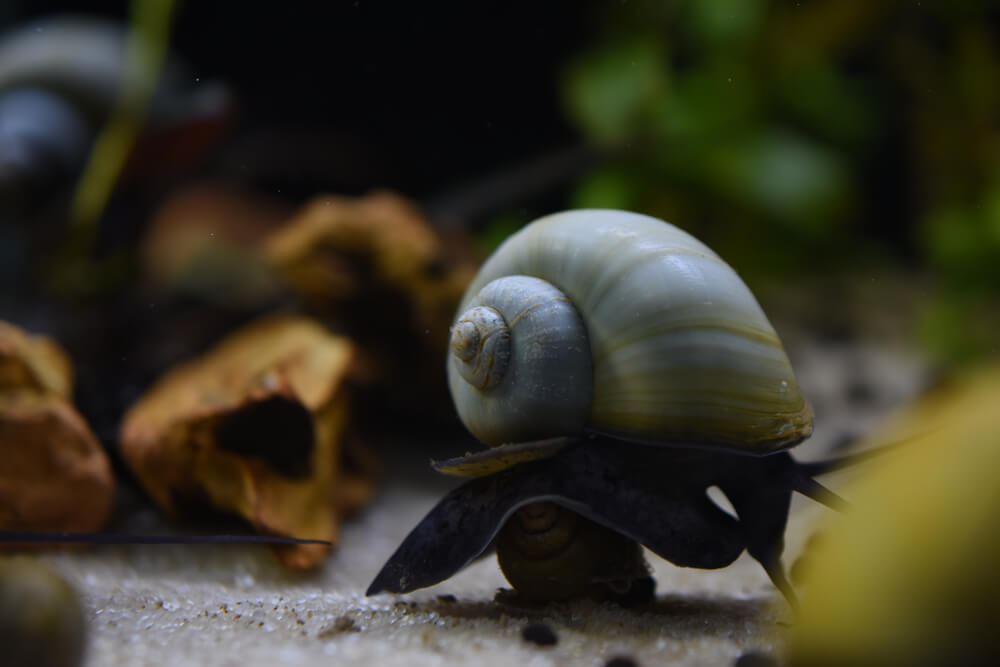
(814, 468)
(776, 572)
(810, 488)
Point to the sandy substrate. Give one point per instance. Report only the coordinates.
(231, 605)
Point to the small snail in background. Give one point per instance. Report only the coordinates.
(41, 619)
(60, 79)
(617, 368)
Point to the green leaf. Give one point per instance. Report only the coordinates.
(610, 187)
(610, 90)
(794, 180)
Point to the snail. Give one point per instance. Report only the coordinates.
(617, 368)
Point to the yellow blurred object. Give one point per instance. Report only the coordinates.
(256, 427)
(910, 575)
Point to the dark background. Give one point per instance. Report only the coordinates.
(413, 96)
(839, 148)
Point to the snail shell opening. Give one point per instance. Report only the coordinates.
(520, 348)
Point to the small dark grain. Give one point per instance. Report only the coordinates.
(755, 659)
(540, 634)
(341, 625)
(621, 661)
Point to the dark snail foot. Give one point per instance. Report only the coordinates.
(605, 484)
(653, 495)
(508, 597)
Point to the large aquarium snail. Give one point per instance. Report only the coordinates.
(617, 368)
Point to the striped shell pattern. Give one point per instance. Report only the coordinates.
(622, 324)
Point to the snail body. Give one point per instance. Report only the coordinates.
(616, 368)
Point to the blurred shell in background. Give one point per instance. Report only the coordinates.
(41, 620)
(61, 76)
(258, 427)
(55, 476)
(909, 576)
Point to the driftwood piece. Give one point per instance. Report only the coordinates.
(374, 268)
(257, 427)
(55, 475)
(378, 269)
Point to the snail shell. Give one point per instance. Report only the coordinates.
(547, 552)
(85, 60)
(41, 620)
(622, 324)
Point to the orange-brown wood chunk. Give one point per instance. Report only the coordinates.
(254, 427)
(55, 475)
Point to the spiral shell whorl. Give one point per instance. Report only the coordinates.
(520, 366)
(480, 344)
(548, 552)
(541, 530)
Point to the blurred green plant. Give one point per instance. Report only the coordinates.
(799, 138)
(74, 270)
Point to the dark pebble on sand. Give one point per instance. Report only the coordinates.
(540, 634)
(755, 659)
